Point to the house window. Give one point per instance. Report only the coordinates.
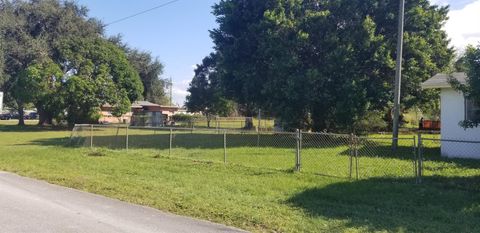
(472, 110)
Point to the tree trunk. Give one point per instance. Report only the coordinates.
(21, 113)
(44, 118)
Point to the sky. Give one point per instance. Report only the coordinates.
(178, 33)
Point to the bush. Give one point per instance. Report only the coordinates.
(373, 121)
(185, 117)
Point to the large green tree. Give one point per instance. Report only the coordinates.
(33, 30)
(150, 70)
(40, 84)
(326, 64)
(39, 36)
(101, 74)
(206, 92)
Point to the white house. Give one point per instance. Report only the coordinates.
(454, 109)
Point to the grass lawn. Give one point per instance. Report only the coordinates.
(255, 198)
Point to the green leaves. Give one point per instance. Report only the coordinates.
(471, 63)
(206, 93)
(325, 64)
(102, 74)
(149, 69)
(57, 59)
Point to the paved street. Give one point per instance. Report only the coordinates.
(28, 205)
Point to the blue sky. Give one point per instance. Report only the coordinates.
(178, 33)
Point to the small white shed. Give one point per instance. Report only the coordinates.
(454, 109)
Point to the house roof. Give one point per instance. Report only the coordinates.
(170, 107)
(140, 104)
(443, 80)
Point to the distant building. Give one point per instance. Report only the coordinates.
(106, 116)
(146, 114)
(143, 113)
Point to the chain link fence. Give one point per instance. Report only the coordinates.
(448, 157)
(336, 155)
(376, 158)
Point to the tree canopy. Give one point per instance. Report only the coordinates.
(470, 63)
(206, 91)
(40, 84)
(326, 64)
(150, 70)
(101, 74)
(55, 57)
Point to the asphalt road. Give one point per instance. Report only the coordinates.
(28, 205)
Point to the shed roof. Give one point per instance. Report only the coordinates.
(442, 80)
(141, 103)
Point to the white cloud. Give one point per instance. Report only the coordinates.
(439, 2)
(179, 91)
(462, 27)
(179, 96)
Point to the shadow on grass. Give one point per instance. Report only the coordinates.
(393, 205)
(29, 128)
(185, 140)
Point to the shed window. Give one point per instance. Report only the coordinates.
(472, 110)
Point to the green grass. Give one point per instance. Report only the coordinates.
(249, 196)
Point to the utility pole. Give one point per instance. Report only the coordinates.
(398, 76)
(170, 84)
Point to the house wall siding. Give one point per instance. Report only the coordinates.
(453, 112)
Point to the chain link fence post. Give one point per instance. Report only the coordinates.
(415, 159)
(301, 146)
(258, 138)
(298, 151)
(420, 159)
(126, 138)
(91, 136)
(351, 146)
(225, 147)
(170, 143)
(355, 145)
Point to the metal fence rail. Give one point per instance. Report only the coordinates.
(337, 155)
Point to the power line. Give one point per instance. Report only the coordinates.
(141, 12)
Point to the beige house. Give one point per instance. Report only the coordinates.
(142, 113)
